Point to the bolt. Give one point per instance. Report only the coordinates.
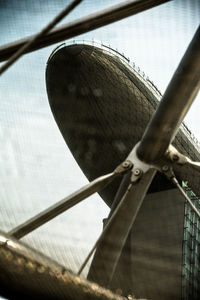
(175, 157)
(137, 172)
(126, 164)
(165, 168)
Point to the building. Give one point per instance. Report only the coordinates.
(102, 105)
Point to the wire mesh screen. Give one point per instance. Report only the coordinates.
(37, 167)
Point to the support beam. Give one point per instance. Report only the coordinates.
(24, 48)
(83, 25)
(61, 206)
(113, 238)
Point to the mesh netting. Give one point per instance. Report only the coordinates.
(37, 168)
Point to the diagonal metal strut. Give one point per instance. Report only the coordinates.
(113, 238)
(32, 41)
(68, 202)
(83, 25)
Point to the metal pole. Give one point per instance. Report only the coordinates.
(61, 206)
(112, 240)
(27, 274)
(91, 22)
(36, 37)
(174, 105)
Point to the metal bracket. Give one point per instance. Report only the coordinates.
(139, 167)
(173, 156)
(164, 165)
(123, 167)
(176, 157)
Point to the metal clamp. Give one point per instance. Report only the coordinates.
(123, 167)
(176, 157)
(139, 167)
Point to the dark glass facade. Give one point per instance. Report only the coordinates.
(191, 250)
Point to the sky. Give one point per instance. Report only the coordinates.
(36, 166)
(155, 39)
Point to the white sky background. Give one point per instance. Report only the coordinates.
(36, 167)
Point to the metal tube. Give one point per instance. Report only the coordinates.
(34, 38)
(28, 274)
(174, 105)
(61, 206)
(91, 22)
(112, 240)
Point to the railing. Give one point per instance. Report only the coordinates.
(117, 53)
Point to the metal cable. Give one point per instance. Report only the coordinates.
(175, 181)
(45, 30)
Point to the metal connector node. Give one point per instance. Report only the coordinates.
(123, 167)
(126, 164)
(176, 157)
